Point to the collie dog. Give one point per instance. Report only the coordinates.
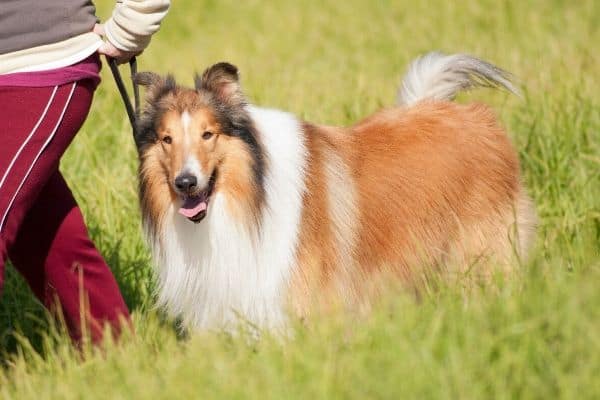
(253, 214)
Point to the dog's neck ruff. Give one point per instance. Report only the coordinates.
(217, 274)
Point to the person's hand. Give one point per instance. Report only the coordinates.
(107, 48)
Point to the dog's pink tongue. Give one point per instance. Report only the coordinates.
(192, 206)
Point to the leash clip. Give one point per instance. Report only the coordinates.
(132, 112)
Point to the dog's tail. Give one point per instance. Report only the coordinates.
(440, 76)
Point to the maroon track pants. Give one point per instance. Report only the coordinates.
(41, 227)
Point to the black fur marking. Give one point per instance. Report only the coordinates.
(237, 123)
(221, 83)
(158, 87)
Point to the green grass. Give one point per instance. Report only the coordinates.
(536, 335)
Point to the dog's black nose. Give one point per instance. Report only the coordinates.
(186, 183)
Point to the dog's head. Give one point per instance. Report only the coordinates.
(196, 142)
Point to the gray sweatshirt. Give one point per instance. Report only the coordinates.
(42, 34)
(30, 23)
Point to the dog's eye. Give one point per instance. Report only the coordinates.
(207, 135)
(167, 139)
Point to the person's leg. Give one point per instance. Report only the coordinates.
(28, 115)
(61, 264)
(37, 126)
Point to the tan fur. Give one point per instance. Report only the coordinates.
(437, 186)
(317, 260)
(157, 194)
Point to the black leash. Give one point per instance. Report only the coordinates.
(132, 112)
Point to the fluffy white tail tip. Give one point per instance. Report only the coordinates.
(440, 76)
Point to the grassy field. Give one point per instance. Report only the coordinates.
(536, 335)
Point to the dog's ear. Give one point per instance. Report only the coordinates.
(156, 85)
(223, 81)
